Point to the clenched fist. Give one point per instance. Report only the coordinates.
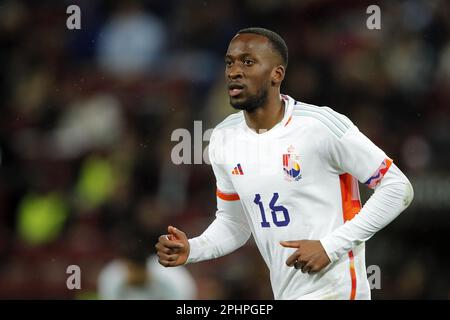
(173, 248)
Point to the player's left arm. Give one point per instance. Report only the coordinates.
(393, 194)
(354, 153)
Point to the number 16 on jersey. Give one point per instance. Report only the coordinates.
(274, 209)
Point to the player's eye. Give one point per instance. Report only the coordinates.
(228, 63)
(248, 62)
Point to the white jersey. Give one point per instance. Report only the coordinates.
(163, 283)
(295, 181)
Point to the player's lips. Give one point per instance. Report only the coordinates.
(235, 89)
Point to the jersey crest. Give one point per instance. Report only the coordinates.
(291, 165)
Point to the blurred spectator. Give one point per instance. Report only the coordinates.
(89, 124)
(137, 275)
(132, 41)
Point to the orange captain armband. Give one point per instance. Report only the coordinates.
(375, 179)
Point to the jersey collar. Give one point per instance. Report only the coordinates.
(287, 117)
(288, 107)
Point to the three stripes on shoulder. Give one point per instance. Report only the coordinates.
(337, 123)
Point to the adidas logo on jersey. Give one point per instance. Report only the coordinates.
(238, 170)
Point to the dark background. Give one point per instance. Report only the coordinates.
(86, 118)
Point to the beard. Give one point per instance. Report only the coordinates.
(252, 102)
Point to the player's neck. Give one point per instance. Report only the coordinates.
(267, 116)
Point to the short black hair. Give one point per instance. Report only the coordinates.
(276, 41)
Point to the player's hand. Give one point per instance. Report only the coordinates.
(310, 255)
(173, 248)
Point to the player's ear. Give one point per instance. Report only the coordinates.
(278, 74)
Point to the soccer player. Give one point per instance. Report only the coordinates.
(287, 174)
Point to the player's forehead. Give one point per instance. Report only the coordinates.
(249, 43)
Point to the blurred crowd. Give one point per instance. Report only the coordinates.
(86, 119)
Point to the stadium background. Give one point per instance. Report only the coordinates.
(87, 115)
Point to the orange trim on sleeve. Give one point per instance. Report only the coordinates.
(351, 205)
(227, 196)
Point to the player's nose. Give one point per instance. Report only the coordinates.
(235, 72)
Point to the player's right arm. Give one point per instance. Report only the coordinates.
(229, 230)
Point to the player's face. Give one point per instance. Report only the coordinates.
(249, 63)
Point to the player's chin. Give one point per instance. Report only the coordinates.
(238, 102)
